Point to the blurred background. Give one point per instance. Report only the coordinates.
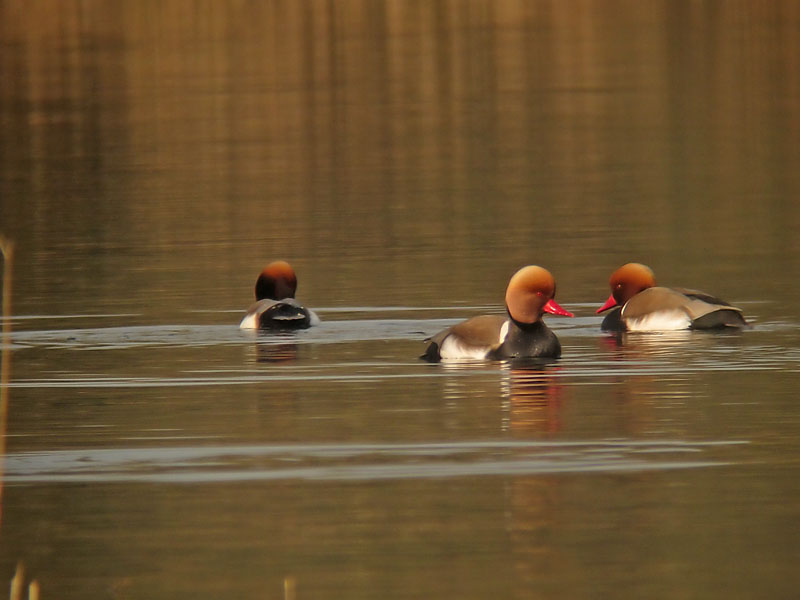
(156, 154)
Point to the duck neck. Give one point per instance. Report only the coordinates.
(526, 328)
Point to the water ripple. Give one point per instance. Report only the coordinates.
(353, 462)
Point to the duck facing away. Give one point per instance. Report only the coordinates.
(520, 334)
(640, 305)
(275, 306)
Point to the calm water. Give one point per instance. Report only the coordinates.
(407, 158)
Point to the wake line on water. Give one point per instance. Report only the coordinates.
(351, 462)
(150, 382)
(366, 472)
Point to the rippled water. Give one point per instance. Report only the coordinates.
(168, 449)
(406, 157)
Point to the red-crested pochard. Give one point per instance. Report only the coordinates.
(521, 334)
(275, 306)
(642, 306)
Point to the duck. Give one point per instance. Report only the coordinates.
(520, 333)
(640, 305)
(275, 306)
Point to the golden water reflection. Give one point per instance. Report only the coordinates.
(535, 395)
(214, 139)
(527, 395)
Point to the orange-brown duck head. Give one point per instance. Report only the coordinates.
(626, 282)
(276, 282)
(530, 293)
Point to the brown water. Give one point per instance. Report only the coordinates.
(406, 157)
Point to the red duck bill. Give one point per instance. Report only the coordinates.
(553, 308)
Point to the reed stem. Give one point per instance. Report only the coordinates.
(17, 583)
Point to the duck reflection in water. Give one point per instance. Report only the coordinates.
(272, 350)
(654, 378)
(652, 344)
(273, 353)
(534, 397)
(646, 342)
(527, 393)
(534, 504)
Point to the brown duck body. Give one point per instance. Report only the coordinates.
(643, 306)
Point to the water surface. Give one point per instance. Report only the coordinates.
(407, 158)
